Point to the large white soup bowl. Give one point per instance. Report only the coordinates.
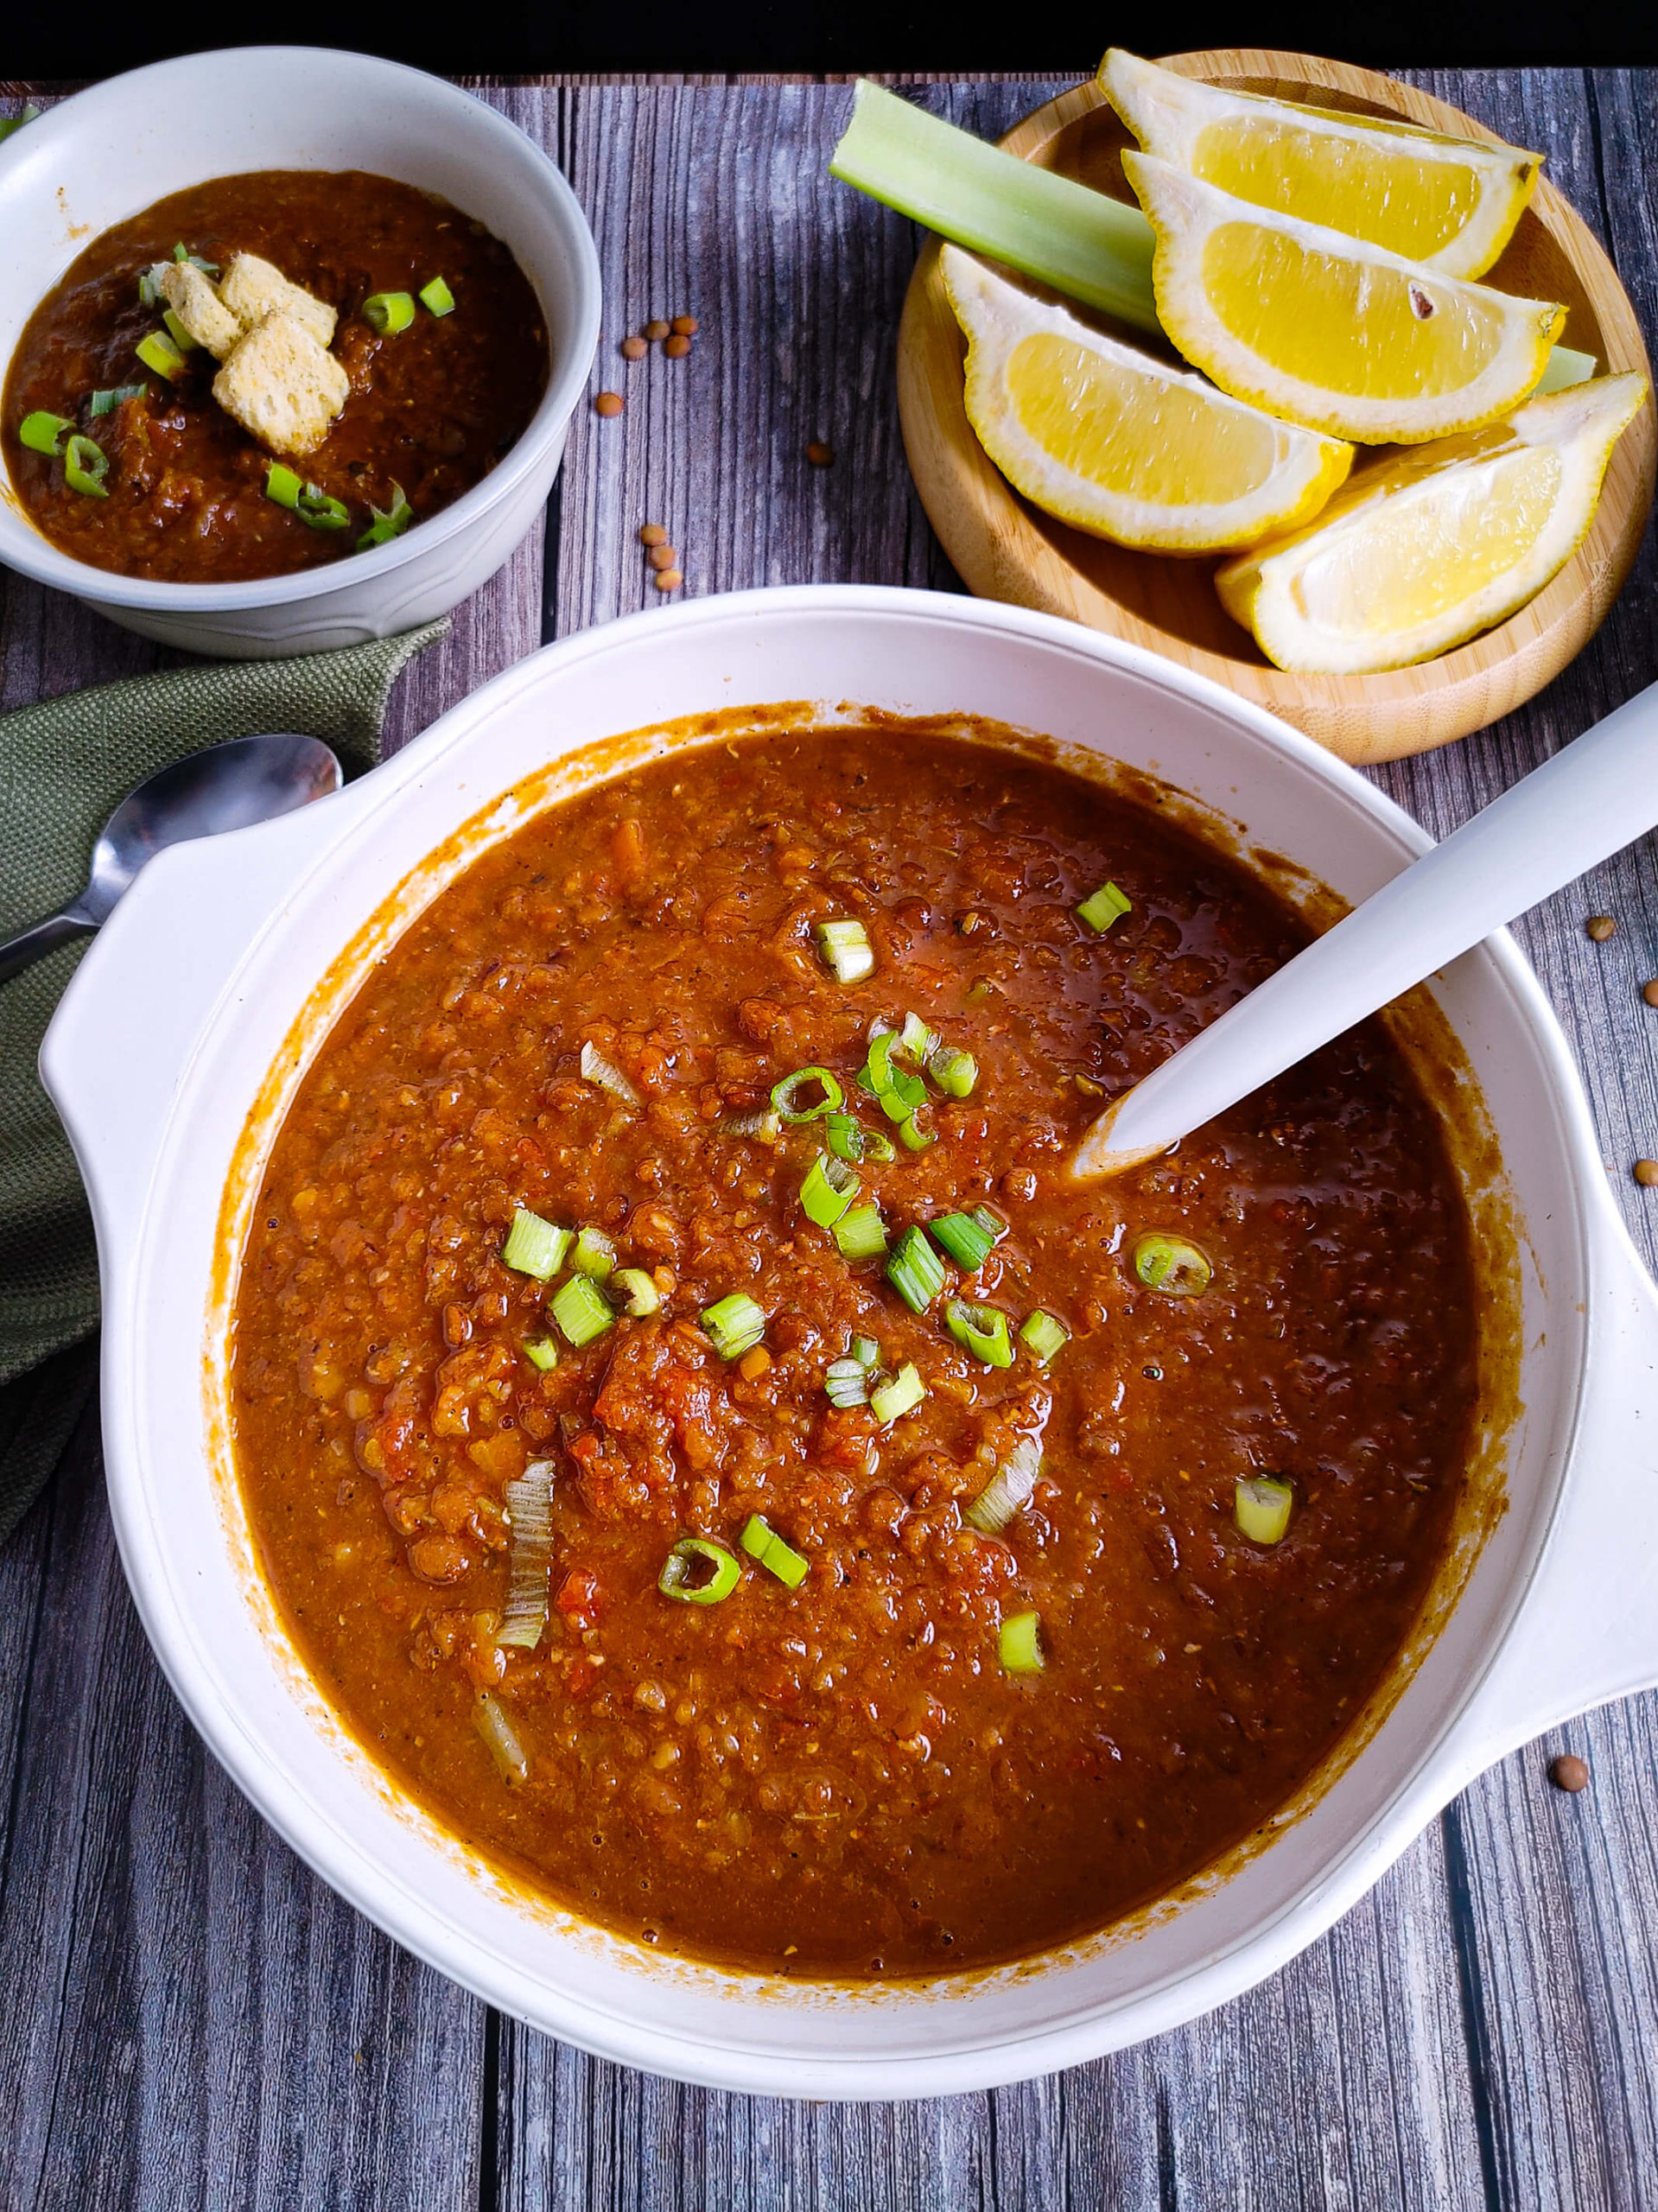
(192, 1016)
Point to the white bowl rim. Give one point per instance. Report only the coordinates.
(23, 547)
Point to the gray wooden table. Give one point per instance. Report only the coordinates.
(188, 2017)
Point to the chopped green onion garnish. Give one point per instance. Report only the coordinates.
(865, 1350)
(605, 1075)
(388, 312)
(1019, 1643)
(1103, 907)
(917, 1039)
(897, 1092)
(156, 350)
(181, 252)
(642, 1296)
(1261, 1506)
(44, 433)
(787, 1095)
(915, 1270)
(861, 1234)
(915, 1135)
(1042, 1335)
(500, 1738)
(437, 297)
(764, 1127)
(84, 466)
(1171, 1264)
(314, 507)
(594, 1255)
(846, 1382)
(898, 1394)
(542, 1352)
(761, 1541)
(969, 1238)
(955, 1073)
(180, 337)
(529, 1510)
(149, 288)
(699, 1571)
(849, 1140)
(582, 1310)
(982, 1330)
(735, 1323)
(105, 403)
(1008, 1489)
(393, 523)
(830, 1188)
(534, 1247)
(845, 950)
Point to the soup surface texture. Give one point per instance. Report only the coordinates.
(845, 1776)
(432, 407)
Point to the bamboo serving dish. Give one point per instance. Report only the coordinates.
(1006, 549)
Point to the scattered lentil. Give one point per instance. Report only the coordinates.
(668, 579)
(1569, 1773)
(675, 348)
(634, 349)
(1600, 927)
(608, 403)
(1645, 1172)
(819, 455)
(656, 329)
(653, 534)
(661, 556)
(684, 326)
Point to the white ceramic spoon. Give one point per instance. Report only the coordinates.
(1591, 799)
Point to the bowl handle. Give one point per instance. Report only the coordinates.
(1587, 1631)
(115, 1053)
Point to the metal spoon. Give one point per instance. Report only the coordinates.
(1596, 796)
(227, 787)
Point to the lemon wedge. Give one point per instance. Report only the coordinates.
(1326, 330)
(1449, 203)
(1423, 550)
(1114, 442)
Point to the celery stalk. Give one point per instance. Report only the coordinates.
(1083, 243)
(1091, 248)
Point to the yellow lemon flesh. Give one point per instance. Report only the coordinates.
(1328, 331)
(1422, 551)
(1117, 444)
(1449, 203)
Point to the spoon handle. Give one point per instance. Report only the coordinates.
(32, 944)
(1593, 797)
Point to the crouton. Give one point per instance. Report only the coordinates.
(253, 288)
(200, 309)
(284, 388)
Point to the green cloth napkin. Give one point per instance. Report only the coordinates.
(64, 766)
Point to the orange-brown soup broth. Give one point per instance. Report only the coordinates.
(843, 1778)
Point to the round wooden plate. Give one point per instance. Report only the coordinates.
(1006, 549)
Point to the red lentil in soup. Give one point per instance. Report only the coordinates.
(978, 1658)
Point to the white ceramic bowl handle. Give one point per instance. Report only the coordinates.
(116, 1053)
(1588, 1627)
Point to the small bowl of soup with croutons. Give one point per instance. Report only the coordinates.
(274, 389)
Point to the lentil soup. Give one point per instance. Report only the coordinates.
(867, 1582)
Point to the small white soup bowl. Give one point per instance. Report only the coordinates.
(112, 151)
(195, 1011)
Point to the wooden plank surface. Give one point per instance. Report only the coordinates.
(187, 2017)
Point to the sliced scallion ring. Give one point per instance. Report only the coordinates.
(605, 1075)
(529, 1514)
(501, 1738)
(105, 403)
(865, 1350)
(981, 1329)
(955, 1073)
(762, 1542)
(828, 1191)
(1042, 1335)
(1103, 907)
(1173, 1265)
(582, 1310)
(393, 523)
(792, 1098)
(594, 1255)
(969, 1238)
(182, 338)
(1007, 1490)
(314, 507)
(699, 1571)
(860, 1233)
(388, 312)
(1019, 1641)
(86, 465)
(156, 350)
(845, 950)
(42, 432)
(915, 1270)
(848, 1139)
(542, 1352)
(436, 298)
(1262, 1508)
(735, 1323)
(899, 1394)
(534, 1247)
(846, 1382)
(642, 1296)
(918, 1040)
